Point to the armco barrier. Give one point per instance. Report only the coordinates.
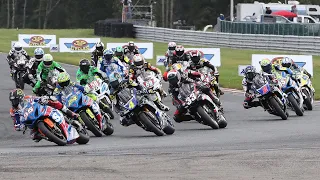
(292, 44)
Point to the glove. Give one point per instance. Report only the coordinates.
(249, 95)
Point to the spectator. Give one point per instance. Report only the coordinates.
(221, 17)
(294, 9)
(253, 17)
(268, 10)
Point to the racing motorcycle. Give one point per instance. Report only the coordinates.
(81, 104)
(270, 96)
(150, 81)
(209, 79)
(306, 89)
(20, 71)
(114, 68)
(292, 89)
(99, 91)
(47, 87)
(201, 106)
(137, 106)
(52, 125)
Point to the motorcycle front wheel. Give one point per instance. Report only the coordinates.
(50, 135)
(87, 121)
(295, 105)
(307, 101)
(206, 118)
(148, 123)
(277, 108)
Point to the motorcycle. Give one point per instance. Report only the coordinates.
(81, 104)
(135, 105)
(149, 80)
(20, 71)
(209, 79)
(99, 91)
(114, 68)
(270, 96)
(201, 106)
(52, 125)
(47, 87)
(292, 89)
(306, 89)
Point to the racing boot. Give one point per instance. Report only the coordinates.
(163, 93)
(161, 106)
(180, 118)
(69, 113)
(126, 122)
(35, 135)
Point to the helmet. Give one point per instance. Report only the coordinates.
(131, 45)
(250, 72)
(17, 46)
(84, 65)
(266, 65)
(195, 56)
(174, 77)
(63, 79)
(138, 60)
(172, 46)
(16, 97)
(47, 60)
(38, 54)
(115, 80)
(179, 50)
(107, 54)
(99, 46)
(118, 52)
(286, 62)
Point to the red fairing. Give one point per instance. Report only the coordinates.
(195, 73)
(165, 76)
(55, 104)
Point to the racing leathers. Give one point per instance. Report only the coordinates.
(134, 72)
(129, 53)
(83, 78)
(205, 63)
(168, 62)
(42, 74)
(18, 116)
(125, 60)
(96, 54)
(13, 54)
(32, 67)
(106, 66)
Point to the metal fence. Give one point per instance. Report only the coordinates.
(294, 29)
(293, 44)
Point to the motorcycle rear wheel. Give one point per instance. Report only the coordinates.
(44, 130)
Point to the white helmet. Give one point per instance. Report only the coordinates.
(100, 46)
(47, 60)
(17, 46)
(138, 60)
(172, 46)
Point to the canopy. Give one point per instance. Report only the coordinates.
(287, 14)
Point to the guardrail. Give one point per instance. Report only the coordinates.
(292, 44)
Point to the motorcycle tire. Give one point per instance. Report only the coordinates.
(85, 118)
(107, 109)
(295, 105)
(207, 119)
(146, 121)
(169, 130)
(21, 81)
(46, 131)
(83, 137)
(223, 122)
(307, 101)
(273, 102)
(109, 129)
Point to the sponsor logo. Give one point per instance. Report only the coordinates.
(37, 41)
(79, 45)
(161, 60)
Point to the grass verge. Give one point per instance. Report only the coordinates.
(230, 58)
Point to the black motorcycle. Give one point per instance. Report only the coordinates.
(20, 71)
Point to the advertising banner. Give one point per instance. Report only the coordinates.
(37, 40)
(146, 49)
(77, 44)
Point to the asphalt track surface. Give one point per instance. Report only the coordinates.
(255, 145)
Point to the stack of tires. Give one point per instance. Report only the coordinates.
(113, 28)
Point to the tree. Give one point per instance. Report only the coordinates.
(24, 14)
(8, 14)
(13, 13)
(49, 9)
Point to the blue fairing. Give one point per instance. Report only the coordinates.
(77, 100)
(264, 89)
(130, 105)
(33, 112)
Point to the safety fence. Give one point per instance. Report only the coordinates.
(294, 44)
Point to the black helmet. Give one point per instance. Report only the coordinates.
(16, 97)
(250, 72)
(84, 65)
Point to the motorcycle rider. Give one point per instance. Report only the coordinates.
(140, 64)
(289, 63)
(13, 54)
(98, 52)
(197, 62)
(250, 73)
(18, 99)
(86, 72)
(119, 53)
(109, 59)
(65, 87)
(169, 54)
(131, 49)
(117, 83)
(33, 66)
(47, 65)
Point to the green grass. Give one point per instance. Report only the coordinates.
(230, 58)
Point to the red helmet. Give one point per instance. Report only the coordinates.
(179, 50)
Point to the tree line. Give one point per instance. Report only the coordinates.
(61, 14)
